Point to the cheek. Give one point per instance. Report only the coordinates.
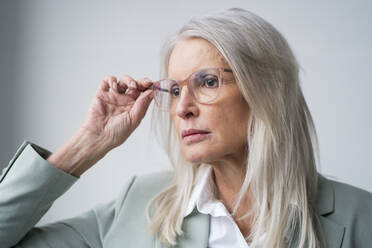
(232, 124)
(228, 136)
(232, 116)
(232, 129)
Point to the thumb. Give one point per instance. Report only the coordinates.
(141, 105)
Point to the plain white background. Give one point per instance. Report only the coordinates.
(54, 55)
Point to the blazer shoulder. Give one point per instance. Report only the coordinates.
(351, 195)
(352, 208)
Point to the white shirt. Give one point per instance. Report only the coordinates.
(224, 232)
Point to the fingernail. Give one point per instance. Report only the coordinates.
(133, 84)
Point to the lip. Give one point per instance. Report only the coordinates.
(191, 131)
(194, 135)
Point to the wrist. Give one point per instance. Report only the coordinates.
(79, 153)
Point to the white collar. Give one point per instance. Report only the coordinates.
(203, 197)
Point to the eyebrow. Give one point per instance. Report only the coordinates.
(224, 69)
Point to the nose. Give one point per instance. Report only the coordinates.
(186, 107)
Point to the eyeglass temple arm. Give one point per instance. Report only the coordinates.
(153, 87)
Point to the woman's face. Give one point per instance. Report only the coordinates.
(225, 119)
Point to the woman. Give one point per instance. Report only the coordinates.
(241, 140)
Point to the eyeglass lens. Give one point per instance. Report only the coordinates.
(204, 88)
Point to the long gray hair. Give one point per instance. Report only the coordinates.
(281, 169)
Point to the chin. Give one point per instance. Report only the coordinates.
(197, 155)
(195, 160)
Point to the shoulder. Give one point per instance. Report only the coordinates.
(352, 208)
(351, 198)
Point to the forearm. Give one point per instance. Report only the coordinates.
(28, 189)
(79, 153)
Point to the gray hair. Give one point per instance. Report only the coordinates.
(283, 146)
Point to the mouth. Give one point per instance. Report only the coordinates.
(194, 135)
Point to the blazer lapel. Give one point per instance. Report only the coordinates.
(196, 225)
(333, 232)
(196, 231)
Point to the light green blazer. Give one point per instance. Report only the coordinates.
(30, 185)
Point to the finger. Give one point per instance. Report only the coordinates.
(141, 105)
(103, 90)
(122, 87)
(126, 82)
(112, 82)
(144, 83)
(133, 90)
(104, 86)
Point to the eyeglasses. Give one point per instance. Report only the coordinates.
(204, 86)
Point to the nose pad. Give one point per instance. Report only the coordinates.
(186, 106)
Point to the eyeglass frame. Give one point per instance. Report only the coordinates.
(188, 82)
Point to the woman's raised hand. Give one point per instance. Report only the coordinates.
(118, 108)
(114, 113)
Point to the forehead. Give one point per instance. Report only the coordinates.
(191, 55)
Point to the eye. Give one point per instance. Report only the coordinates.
(174, 90)
(210, 82)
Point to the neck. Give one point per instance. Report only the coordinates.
(228, 182)
(229, 176)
